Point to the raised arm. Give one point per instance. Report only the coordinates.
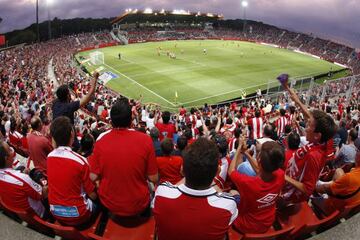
(297, 101)
(86, 99)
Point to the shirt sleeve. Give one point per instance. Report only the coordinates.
(152, 168)
(32, 189)
(311, 175)
(340, 186)
(94, 161)
(238, 179)
(89, 186)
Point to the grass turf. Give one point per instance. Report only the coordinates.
(228, 69)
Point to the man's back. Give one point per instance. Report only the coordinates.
(123, 158)
(69, 182)
(184, 213)
(66, 109)
(39, 148)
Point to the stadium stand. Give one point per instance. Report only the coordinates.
(28, 92)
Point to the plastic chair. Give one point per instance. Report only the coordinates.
(303, 218)
(69, 232)
(128, 229)
(270, 234)
(30, 218)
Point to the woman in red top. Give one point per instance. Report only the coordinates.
(258, 194)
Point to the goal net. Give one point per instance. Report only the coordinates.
(97, 58)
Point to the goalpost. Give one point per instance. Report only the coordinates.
(97, 58)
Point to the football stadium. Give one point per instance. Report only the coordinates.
(175, 125)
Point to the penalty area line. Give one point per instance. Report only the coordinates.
(132, 80)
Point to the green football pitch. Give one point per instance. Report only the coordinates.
(227, 70)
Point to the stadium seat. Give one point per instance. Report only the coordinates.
(31, 219)
(326, 206)
(68, 232)
(125, 229)
(270, 234)
(304, 219)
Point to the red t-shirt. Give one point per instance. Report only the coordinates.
(305, 166)
(69, 182)
(166, 130)
(257, 201)
(123, 158)
(184, 213)
(169, 168)
(289, 153)
(39, 148)
(18, 191)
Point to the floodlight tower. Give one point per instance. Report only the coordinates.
(48, 4)
(244, 4)
(37, 22)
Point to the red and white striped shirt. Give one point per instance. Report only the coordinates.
(257, 126)
(280, 124)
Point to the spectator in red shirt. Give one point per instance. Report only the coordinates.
(170, 167)
(71, 192)
(258, 194)
(123, 160)
(197, 211)
(304, 168)
(293, 143)
(39, 145)
(166, 129)
(17, 189)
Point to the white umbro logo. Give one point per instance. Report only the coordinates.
(268, 198)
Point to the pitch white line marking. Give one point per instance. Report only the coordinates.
(133, 81)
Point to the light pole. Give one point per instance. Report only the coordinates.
(48, 3)
(244, 4)
(37, 22)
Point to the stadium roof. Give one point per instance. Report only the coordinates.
(135, 15)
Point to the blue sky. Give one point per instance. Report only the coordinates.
(332, 19)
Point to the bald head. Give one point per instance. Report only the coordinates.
(36, 123)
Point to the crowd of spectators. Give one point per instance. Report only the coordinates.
(233, 164)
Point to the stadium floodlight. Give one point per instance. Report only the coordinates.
(148, 11)
(244, 4)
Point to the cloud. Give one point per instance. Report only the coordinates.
(335, 19)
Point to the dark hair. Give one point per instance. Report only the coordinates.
(200, 163)
(188, 133)
(282, 112)
(237, 132)
(60, 131)
(221, 143)
(154, 133)
(324, 124)
(35, 123)
(62, 93)
(257, 114)
(353, 134)
(167, 146)
(165, 117)
(181, 143)
(292, 109)
(120, 113)
(272, 156)
(293, 141)
(3, 155)
(87, 143)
